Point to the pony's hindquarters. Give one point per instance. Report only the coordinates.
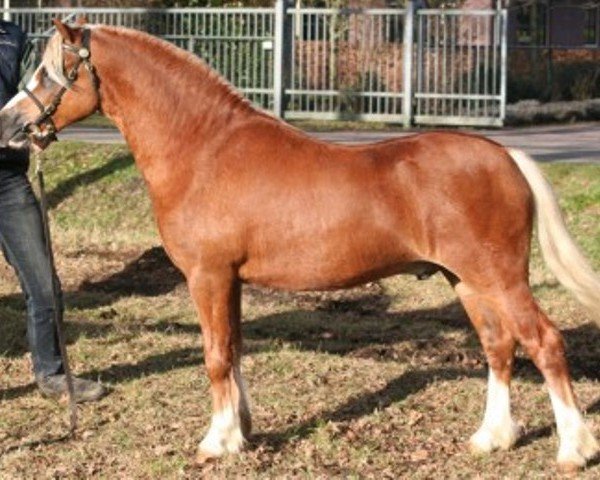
(499, 303)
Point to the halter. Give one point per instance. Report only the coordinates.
(48, 134)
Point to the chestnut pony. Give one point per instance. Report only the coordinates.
(240, 196)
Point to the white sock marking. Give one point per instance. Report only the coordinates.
(577, 444)
(225, 434)
(498, 429)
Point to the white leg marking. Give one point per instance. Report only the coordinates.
(224, 435)
(226, 432)
(498, 429)
(577, 444)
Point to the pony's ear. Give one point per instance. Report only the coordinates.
(65, 31)
(81, 20)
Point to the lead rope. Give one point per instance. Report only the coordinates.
(58, 321)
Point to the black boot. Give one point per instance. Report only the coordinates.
(56, 386)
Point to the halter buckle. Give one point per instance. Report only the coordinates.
(83, 53)
(49, 110)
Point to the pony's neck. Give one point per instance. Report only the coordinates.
(164, 100)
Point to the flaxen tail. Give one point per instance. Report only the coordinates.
(560, 251)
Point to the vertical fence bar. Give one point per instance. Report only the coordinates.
(503, 53)
(487, 37)
(444, 88)
(257, 53)
(496, 41)
(6, 13)
(395, 79)
(293, 65)
(407, 57)
(282, 36)
(418, 101)
(315, 75)
(297, 79)
(278, 87)
(371, 72)
(333, 23)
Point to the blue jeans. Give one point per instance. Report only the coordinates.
(23, 244)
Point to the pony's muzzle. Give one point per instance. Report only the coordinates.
(19, 140)
(11, 128)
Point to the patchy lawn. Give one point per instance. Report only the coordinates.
(383, 381)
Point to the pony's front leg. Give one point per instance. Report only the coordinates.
(217, 296)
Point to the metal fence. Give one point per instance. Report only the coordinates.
(334, 63)
(461, 74)
(346, 64)
(236, 42)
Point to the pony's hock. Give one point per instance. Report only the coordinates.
(239, 196)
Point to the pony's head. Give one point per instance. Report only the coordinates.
(63, 89)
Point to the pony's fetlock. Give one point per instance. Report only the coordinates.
(224, 436)
(498, 437)
(577, 449)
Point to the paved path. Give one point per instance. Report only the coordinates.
(565, 143)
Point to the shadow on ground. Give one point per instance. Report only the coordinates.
(151, 274)
(396, 390)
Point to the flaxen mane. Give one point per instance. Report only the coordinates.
(53, 60)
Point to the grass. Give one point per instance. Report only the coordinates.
(96, 120)
(383, 381)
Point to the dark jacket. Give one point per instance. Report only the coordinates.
(13, 42)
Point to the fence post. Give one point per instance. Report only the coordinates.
(503, 61)
(407, 63)
(6, 14)
(282, 55)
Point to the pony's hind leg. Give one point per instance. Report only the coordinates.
(498, 430)
(519, 316)
(217, 297)
(544, 344)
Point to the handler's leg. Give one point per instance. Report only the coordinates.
(217, 296)
(22, 239)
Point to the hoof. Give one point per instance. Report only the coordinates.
(219, 443)
(570, 468)
(208, 453)
(224, 436)
(480, 443)
(485, 440)
(576, 450)
(202, 458)
(571, 462)
(590, 448)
